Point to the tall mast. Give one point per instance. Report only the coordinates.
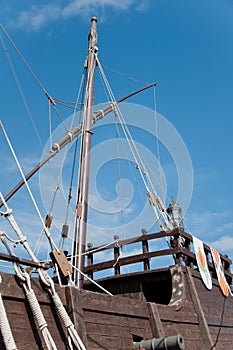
(79, 246)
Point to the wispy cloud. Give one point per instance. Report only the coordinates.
(208, 223)
(224, 243)
(38, 16)
(214, 228)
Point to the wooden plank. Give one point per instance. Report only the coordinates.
(113, 304)
(155, 321)
(60, 259)
(215, 305)
(75, 311)
(191, 334)
(99, 342)
(22, 324)
(178, 287)
(115, 328)
(9, 258)
(204, 330)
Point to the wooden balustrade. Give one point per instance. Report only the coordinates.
(180, 248)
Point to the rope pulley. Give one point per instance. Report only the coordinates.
(48, 220)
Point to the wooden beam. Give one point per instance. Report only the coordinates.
(6, 257)
(155, 321)
(203, 325)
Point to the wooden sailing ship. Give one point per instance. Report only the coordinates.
(155, 308)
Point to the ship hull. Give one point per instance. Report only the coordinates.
(204, 318)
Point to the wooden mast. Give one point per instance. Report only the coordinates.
(79, 245)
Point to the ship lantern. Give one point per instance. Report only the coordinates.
(175, 215)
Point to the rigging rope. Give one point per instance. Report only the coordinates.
(50, 126)
(10, 218)
(20, 90)
(32, 300)
(36, 309)
(57, 186)
(157, 143)
(119, 169)
(23, 59)
(124, 75)
(52, 243)
(5, 328)
(34, 76)
(70, 191)
(153, 197)
(38, 243)
(91, 280)
(78, 221)
(61, 311)
(81, 92)
(47, 281)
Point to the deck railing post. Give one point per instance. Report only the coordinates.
(189, 261)
(90, 259)
(116, 256)
(145, 249)
(177, 244)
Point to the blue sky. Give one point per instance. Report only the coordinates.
(186, 46)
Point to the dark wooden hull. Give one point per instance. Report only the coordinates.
(204, 318)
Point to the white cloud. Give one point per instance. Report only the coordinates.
(38, 16)
(224, 243)
(225, 227)
(214, 228)
(27, 163)
(208, 223)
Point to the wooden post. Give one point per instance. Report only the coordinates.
(155, 321)
(176, 244)
(188, 246)
(116, 257)
(203, 325)
(75, 311)
(90, 259)
(145, 249)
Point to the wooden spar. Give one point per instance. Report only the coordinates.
(79, 243)
(69, 137)
(36, 264)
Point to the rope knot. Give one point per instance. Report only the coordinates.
(23, 239)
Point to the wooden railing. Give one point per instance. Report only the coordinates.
(180, 247)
